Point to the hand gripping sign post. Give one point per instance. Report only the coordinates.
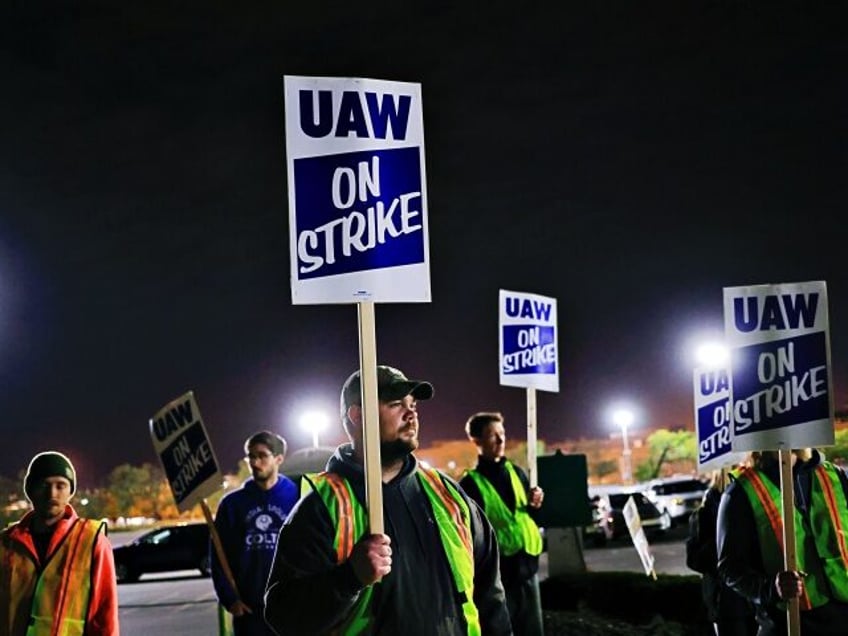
(357, 214)
(183, 447)
(780, 391)
(528, 354)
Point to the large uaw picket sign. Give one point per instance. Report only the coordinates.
(357, 195)
(780, 392)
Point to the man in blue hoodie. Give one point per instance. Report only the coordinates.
(248, 522)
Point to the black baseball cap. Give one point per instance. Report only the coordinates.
(392, 384)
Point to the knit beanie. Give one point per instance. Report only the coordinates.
(49, 464)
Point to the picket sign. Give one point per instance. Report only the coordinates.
(781, 393)
(527, 343)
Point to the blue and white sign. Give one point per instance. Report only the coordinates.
(712, 419)
(185, 451)
(528, 341)
(357, 191)
(781, 388)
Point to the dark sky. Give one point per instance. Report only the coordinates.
(629, 159)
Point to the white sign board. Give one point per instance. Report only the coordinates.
(180, 440)
(780, 385)
(712, 419)
(637, 533)
(528, 341)
(357, 191)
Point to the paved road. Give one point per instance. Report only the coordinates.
(184, 603)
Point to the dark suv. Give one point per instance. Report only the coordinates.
(181, 547)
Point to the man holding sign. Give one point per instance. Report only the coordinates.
(750, 543)
(434, 571)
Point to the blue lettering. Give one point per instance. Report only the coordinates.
(387, 111)
(803, 308)
(324, 124)
(351, 117)
(384, 113)
(778, 312)
(713, 382)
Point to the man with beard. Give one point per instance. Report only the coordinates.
(434, 571)
(248, 521)
(58, 572)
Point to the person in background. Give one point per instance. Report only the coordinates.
(503, 492)
(57, 574)
(248, 522)
(730, 614)
(433, 571)
(750, 544)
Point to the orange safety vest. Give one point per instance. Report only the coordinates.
(50, 599)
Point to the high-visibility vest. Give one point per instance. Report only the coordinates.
(822, 551)
(452, 518)
(516, 529)
(59, 593)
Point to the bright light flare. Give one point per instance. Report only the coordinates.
(712, 355)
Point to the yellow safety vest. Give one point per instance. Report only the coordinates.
(452, 518)
(821, 546)
(516, 529)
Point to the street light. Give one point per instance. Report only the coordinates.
(624, 418)
(712, 355)
(314, 422)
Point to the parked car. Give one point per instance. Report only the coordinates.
(678, 496)
(179, 547)
(612, 523)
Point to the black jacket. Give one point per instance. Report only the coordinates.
(740, 563)
(309, 593)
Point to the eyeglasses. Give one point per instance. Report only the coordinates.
(258, 456)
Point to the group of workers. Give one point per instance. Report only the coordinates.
(454, 558)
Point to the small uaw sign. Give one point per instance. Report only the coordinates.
(357, 191)
(781, 392)
(712, 418)
(180, 440)
(528, 341)
(637, 533)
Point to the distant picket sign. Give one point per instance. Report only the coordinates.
(528, 341)
(637, 534)
(712, 419)
(180, 440)
(356, 191)
(781, 387)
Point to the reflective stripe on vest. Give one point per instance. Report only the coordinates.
(452, 518)
(821, 556)
(61, 591)
(515, 530)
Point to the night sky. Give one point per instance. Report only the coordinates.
(629, 159)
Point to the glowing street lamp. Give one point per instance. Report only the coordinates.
(314, 422)
(712, 355)
(623, 418)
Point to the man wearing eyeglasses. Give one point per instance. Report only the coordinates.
(248, 522)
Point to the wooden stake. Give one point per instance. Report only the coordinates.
(370, 417)
(219, 548)
(532, 470)
(790, 556)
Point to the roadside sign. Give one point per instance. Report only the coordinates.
(780, 382)
(528, 341)
(183, 446)
(357, 191)
(637, 533)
